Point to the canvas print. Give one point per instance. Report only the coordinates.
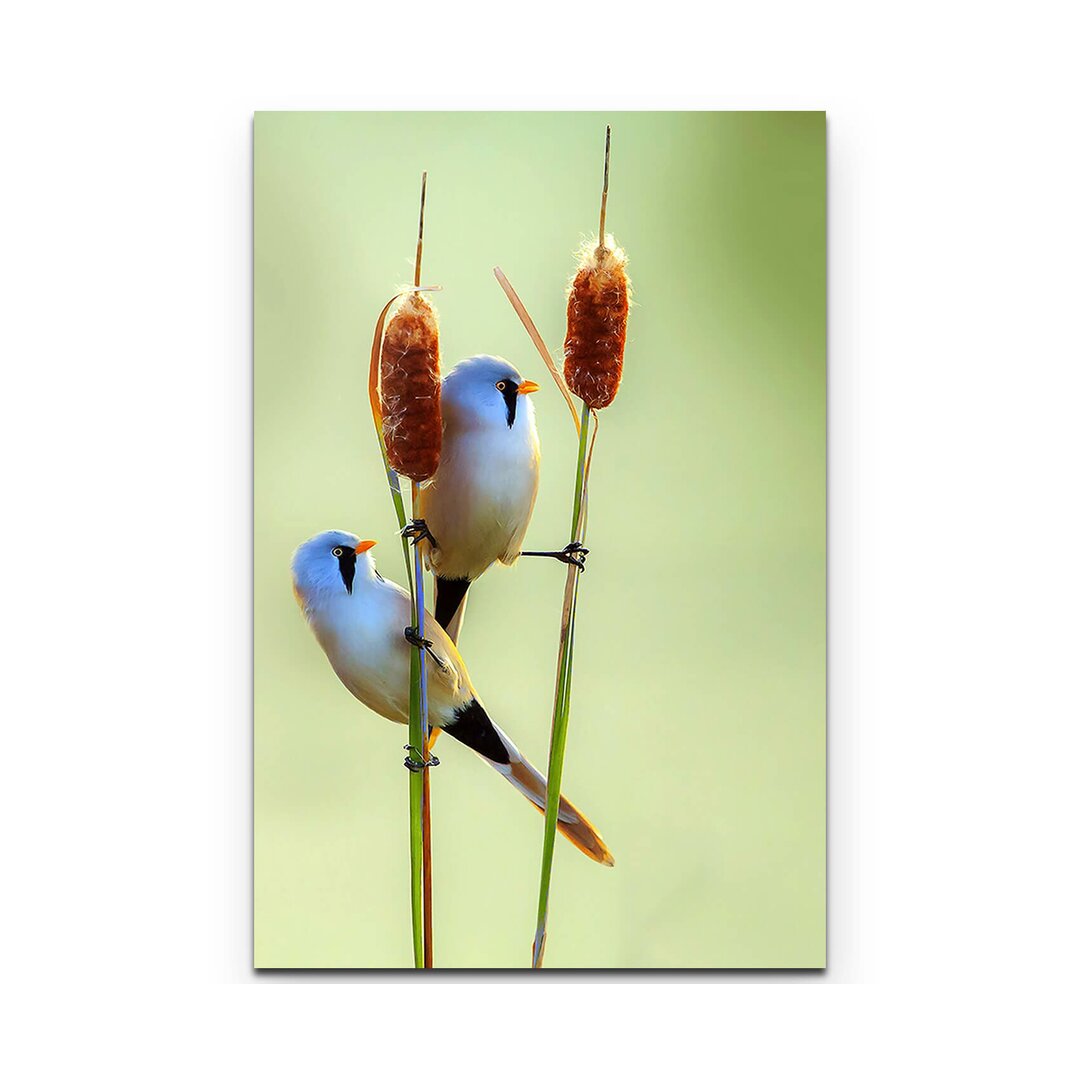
(539, 540)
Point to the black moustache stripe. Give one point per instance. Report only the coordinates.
(510, 396)
(347, 566)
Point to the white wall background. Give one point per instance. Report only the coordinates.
(954, 245)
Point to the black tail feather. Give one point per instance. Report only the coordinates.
(472, 727)
(449, 595)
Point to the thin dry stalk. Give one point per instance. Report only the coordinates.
(538, 341)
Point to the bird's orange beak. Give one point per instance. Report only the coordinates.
(365, 545)
(528, 387)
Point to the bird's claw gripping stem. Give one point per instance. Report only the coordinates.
(413, 765)
(573, 554)
(418, 530)
(412, 636)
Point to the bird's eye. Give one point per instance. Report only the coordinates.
(500, 385)
(338, 552)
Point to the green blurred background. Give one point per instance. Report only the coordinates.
(697, 738)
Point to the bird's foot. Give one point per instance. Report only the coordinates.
(412, 636)
(418, 530)
(418, 764)
(573, 554)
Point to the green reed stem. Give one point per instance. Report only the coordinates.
(420, 685)
(560, 717)
(417, 721)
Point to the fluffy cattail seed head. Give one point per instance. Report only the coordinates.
(410, 388)
(596, 314)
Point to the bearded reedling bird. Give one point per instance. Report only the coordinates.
(361, 620)
(477, 507)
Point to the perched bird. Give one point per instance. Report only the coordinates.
(362, 622)
(476, 508)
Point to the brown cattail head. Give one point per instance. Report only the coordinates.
(596, 315)
(410, 389)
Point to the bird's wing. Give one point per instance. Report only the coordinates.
(449, 686)
(521, 527)
(448, 680)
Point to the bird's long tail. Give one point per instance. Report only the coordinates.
(474, 728)
(572, 823)
(450, 605)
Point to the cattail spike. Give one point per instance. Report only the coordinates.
(411, 388)
(596, 313)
